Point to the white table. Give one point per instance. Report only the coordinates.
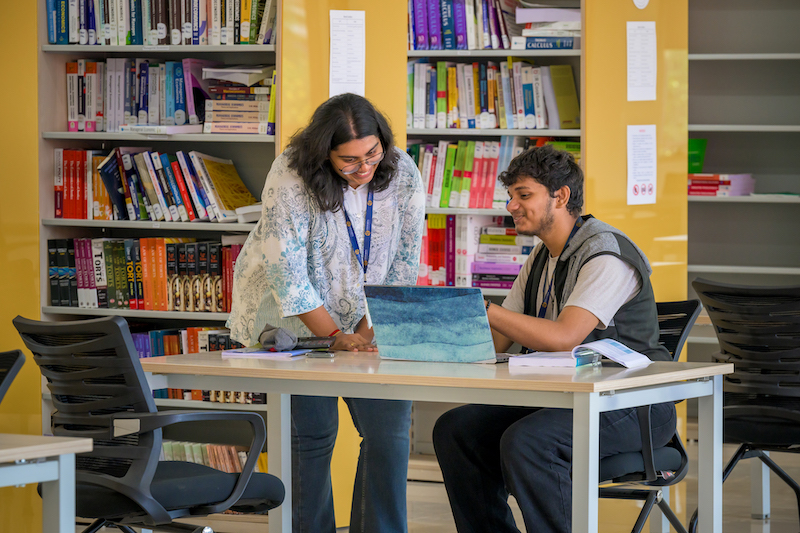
(48, 460)
(587, 392)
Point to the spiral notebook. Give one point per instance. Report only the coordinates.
(442, 324)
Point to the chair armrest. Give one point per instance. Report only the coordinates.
(129, 423)
(643, 413)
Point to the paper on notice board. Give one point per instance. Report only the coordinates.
(642, 165)
(348, 51)
(642, 60)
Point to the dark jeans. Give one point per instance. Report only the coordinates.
(488, 452)
(379, 494)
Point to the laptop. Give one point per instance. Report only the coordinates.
(442, 324)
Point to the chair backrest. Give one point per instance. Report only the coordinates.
(93, 371)
(675, 319)
(758, 329)
(10, 363)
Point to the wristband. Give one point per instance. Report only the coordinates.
(334, 332)
(488, 303)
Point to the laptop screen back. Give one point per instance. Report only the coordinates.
(446, 324)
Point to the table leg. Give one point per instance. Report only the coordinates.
(279, 457)
(58, 498)
(585, 462)
(709, 460)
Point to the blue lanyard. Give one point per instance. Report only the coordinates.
(546, 297)
(363, 261)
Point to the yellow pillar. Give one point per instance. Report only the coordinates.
(20, 412)
(304, 52)
(659, 229)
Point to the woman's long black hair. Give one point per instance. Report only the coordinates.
(341, 119)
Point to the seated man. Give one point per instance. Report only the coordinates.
(586, 281)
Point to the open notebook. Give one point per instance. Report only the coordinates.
(445, 324)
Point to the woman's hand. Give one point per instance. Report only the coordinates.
(353, 342)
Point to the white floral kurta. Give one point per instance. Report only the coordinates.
(298, 258)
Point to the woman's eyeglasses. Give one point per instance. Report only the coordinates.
(370, 161)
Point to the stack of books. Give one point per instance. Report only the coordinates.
(721, 184)
(511, 94)
(548, 28)
(501, 254)
(161, 22)
(240, 99)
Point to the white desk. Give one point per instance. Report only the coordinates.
(588, 392)
(48, 460)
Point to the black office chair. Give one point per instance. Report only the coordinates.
(10, 363)
(99, 390)
(758, 329)
(644, 474)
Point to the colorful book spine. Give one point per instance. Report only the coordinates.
(542, 43)
(421, 41)
(434, 25)
(460, 23)
(448, 25)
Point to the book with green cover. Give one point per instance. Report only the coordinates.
(447, 180)
(441, 94)
(466, 179)
(566, 97)
(458, 174)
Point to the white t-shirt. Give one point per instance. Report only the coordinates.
(605, 283)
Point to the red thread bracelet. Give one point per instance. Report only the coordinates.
(334, 332)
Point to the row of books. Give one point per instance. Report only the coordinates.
(224, 457)
(135, 183)
(721, 184)
(154, 274)
(463, 174)
(472, 251)
(461, 24)
(161, 22)
(158, 342)
(514, 95)
(149, 96)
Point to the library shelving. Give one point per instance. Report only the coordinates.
(422, 464)
(251, 154)
(744, 97)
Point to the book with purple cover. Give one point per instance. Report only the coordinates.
(434, 25)
(460, 19)
(421, 24)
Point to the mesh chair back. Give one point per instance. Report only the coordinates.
(92, 371)
(10, 363)
(675, 319)
(758, 329)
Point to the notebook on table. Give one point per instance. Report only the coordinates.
(442, 324)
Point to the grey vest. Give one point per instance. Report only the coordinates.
(636, 322)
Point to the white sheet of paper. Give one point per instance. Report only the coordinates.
(642, 165)
(642, 60)
(348, 51)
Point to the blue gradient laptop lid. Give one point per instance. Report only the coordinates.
(444, 324)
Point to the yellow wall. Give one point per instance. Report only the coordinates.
(660, 229)
(20, 412)
(304, 55)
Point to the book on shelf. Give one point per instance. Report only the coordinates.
(547, 14)
(242, 74)
(721, 184)
(588, 353)
(154, 129)
(545, 43)
(222, 184)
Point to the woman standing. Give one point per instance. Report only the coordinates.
(342, 206)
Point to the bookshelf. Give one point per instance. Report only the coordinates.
(744, 97)
(252, 155)
(422, 464)
(744, 76)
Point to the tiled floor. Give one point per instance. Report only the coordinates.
(429, 512)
